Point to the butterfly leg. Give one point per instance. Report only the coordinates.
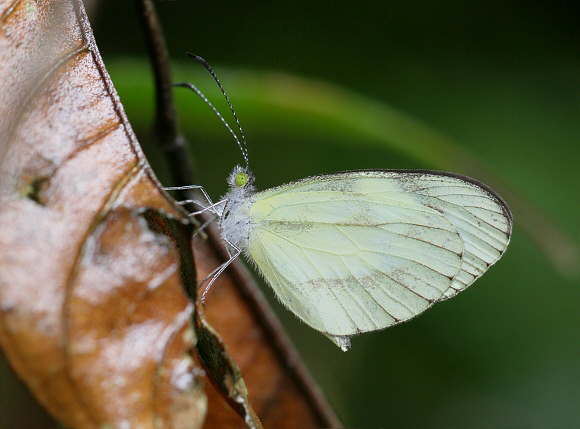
(183, 188)
(213, 207)
(216, 273)
(213, 210)
(210, 206)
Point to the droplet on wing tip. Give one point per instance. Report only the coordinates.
(342, 341)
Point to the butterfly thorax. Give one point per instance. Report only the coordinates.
(235, 223)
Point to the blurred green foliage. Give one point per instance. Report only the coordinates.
(501, 78)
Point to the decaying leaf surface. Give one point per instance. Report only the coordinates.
(93, 315)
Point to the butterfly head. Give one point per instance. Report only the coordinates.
(241, 178)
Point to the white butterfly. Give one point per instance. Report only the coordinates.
(360, 251)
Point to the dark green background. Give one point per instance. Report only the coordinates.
(502, 78)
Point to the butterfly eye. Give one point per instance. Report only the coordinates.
(241, 179)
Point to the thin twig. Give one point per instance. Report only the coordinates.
(170, 140)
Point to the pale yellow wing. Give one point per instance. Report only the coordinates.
(360, 251)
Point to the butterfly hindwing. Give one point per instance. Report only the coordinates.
(481, 217)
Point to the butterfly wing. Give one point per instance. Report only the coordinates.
(360, 251)
(481, 217)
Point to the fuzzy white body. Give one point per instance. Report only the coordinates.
(359, 251)
(235, 223)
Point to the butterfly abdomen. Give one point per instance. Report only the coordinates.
(235, 222)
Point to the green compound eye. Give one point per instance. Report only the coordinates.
(241, 179)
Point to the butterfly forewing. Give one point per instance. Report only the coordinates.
(360, 251)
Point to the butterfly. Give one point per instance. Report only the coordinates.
(359, 251)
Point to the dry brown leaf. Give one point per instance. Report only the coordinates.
(93, 316)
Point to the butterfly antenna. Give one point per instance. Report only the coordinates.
(242, 145)
(212, 107)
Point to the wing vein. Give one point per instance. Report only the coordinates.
(379, 252)
(327, 285)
